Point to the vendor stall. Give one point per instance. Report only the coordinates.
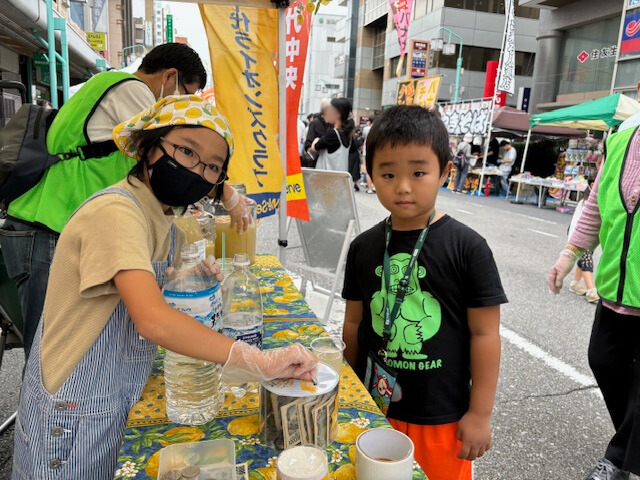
(287, 318)
(602, 114)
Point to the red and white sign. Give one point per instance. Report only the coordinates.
(297, 42)
(583, 56)
(419, 59)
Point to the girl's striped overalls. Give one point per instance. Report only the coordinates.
(76, 433)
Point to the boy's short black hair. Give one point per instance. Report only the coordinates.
(505, 142)
(179, 56)
(408, 124)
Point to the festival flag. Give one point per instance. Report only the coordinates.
(507, 79)
(401, 11)
(242, 43)
(297, 42)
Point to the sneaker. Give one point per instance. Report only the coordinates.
(605, 470)
(592, 296)
(370, 192)
(356, 187)
(577, 288)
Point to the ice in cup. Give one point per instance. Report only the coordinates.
(329, 351)
(303, 463)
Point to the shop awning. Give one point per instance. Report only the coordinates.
(601, 114)
(516, 121)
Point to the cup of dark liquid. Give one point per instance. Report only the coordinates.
(384, 453)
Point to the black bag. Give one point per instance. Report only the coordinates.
(23, 150)
(460, 159)
(308, 160)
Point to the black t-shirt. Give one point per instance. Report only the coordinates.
(494, 147)
(430, 339)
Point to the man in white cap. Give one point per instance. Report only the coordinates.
(462, 160)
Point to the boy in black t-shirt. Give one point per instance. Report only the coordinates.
(443, 339)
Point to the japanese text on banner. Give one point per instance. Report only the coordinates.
(242, 44)
(401, 11)
(297, 40)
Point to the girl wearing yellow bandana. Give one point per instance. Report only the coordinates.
(104, 312)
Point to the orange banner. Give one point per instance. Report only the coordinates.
(297, 41)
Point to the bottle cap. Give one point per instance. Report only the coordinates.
(241, 260)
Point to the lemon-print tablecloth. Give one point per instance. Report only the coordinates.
(287, 318)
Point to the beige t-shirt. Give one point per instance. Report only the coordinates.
(107, 235)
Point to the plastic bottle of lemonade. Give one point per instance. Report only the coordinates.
(193, 389)
(188, 223)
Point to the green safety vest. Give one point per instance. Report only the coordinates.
(68, 183)
(618, 274)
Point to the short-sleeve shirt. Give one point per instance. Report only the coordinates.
(430, 339)
(105, 236)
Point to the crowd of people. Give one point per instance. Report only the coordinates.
(89, 245)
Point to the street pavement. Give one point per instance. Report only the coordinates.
(550, 420)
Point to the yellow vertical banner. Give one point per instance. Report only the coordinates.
(242, 45)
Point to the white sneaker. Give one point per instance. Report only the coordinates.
(592, 296)
(578, 288)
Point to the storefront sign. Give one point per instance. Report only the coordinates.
(418, 59)
(242, 43)
(41, 65)
(169, 28)
(631, 34)
(96, 40)
(148, 34)
(598, 53)
(420, 91)
(466, 117)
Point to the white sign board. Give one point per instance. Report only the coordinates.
(466, 117)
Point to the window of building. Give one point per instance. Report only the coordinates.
(475, 59)
(331, 39)
(628, 74)
(378, 48)
(588, 57)
(491, 6)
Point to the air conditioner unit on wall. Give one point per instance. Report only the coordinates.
(10, 105)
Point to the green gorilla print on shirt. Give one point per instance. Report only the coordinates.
(419, 317)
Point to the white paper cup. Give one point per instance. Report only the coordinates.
(303, 463)
(384, 453)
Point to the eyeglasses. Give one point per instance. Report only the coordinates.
(190, 159)
(186, 90)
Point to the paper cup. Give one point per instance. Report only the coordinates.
(384, 453)
(303, 463)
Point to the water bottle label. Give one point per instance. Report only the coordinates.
(252, 336)
(205, 305)
(201, 245)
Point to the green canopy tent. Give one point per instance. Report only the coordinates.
(602, 114)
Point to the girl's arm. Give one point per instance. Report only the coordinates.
(158, 322)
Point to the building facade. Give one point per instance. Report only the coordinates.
(480, 23)
(577, 50)
(327, 46)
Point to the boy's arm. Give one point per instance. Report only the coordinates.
(352, 319)
(474, 429)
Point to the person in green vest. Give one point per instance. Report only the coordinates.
(82, 130)
(610, 218)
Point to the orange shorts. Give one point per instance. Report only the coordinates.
(436, 450)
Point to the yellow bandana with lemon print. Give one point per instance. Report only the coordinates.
(173, 110)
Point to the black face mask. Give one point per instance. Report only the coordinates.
(175, 185)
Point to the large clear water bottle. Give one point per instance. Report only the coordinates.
(242, 305)
(194, 393)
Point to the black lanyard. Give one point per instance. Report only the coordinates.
(390, 315)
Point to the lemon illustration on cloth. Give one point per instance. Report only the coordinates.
(348, 432)
(152, 464)
(244, 426)
(286, 335)
(345, 472)
(275, 311)
(181, 435)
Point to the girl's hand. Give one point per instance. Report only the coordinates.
(474, 431)
(313, 144)
(205, 267)
(238, 208)
(247, 363)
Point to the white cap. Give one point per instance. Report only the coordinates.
(468, 137)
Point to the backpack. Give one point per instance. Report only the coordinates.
(24, 157)
(460, 159)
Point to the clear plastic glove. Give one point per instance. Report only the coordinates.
(561, 269)
(238, 211)
(247, 363)
(205, 267)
